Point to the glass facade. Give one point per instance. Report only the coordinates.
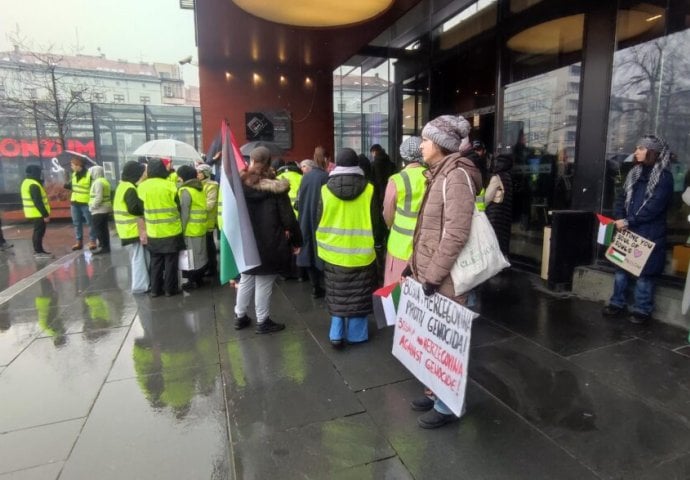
(361, 100)
(108, 133)
(517, 70)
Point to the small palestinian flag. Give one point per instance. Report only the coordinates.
(607, 229)
(614, 255)
(386, 304)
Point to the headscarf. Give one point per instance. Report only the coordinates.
(410, 151)
(657, 144)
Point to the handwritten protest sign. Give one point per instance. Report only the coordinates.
(629, 251)
(432, 340)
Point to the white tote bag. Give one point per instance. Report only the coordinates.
(481, 257)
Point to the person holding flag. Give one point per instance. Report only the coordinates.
(277, 237)
(642, 207)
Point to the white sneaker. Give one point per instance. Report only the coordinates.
(43, 255)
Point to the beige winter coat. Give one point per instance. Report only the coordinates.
(434, 251)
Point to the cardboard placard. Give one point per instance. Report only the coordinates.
(432, 340)
(629, 251)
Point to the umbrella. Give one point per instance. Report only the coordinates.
(274, 148)
(66, 156)
(168, 148)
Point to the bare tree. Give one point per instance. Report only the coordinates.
(39, 85)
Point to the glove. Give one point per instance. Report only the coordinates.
(407, 271)
(429, 288)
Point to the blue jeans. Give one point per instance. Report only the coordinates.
(357, 329)
(643, 292)
(80, 217)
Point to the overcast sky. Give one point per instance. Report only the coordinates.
(133, 30)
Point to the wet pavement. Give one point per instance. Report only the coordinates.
(97, 383)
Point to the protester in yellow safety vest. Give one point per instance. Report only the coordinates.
(100, 206)
(345, 242)
(36, 207)
(401, 205)
(194, 219)
(293, 174)
(128, 211)
(172, 174)
(80, 184)
(212, 190)
(163, 228)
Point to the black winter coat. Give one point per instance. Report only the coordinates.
(307, 204)
(348, 289)
(275, 227)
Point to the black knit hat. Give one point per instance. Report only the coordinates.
(347, 158)
(186, 172)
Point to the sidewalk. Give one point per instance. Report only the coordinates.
(98, 384)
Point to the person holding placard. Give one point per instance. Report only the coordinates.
(642, 208)
(443, 226)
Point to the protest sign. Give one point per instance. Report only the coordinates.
(432, 340)
(629, 251)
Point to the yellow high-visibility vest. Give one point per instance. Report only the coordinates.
(196, 224)
(479, 200)
(81, 189)
(161, 215)
(344, 236)
(212, 218)
(30, 210)
(410, 185)
(125, 223)
(295, 180)
(106, 201)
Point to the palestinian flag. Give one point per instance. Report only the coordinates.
(614, 255)
(607, 228)
(386, 304)
(238, 251)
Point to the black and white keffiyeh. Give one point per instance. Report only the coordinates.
(658, 144)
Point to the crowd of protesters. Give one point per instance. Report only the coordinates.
(348, 225)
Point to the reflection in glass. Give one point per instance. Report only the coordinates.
(540, 128)
(650, 93)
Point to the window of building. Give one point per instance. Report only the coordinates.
(31, 93)
(118, 98)
(145, 99)
(99, 97)
(650, 95)
(168, 91)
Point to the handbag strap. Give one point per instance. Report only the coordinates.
(443, 232)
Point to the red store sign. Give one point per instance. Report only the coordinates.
(48, 148)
